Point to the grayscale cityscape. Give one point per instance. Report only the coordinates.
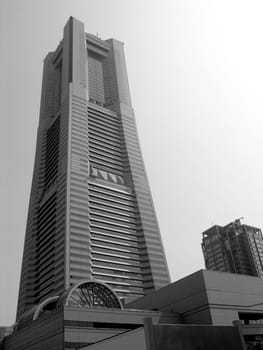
(94, 266)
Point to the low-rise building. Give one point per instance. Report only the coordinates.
(196, 310)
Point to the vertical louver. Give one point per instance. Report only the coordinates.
(52, 153)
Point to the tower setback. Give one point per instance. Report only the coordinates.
(91, 214)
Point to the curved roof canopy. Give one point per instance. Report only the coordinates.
(33, 314)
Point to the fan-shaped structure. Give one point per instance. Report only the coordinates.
(88, 294)
(91, 294)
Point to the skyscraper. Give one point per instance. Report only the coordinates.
(234, 248)
(91, 214)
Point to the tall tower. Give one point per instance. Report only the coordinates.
(91, 214)
(234, 248)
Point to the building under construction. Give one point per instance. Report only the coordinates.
(235, 248)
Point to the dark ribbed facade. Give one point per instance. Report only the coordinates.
(91, 214)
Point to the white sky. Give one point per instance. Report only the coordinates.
(195, 71)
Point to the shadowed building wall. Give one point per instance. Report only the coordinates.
(170, 337)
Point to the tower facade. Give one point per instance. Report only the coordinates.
(91, 214)
(235, 248)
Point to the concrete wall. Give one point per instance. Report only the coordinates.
(128, 341)
(228, 294)
(187, 296)
(76, 325)
(83, 335)
(118, 316)
(170, 337)
(111, 318)
(207, 297)
(43, 334)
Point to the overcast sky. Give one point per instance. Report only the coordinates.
(196, 78)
